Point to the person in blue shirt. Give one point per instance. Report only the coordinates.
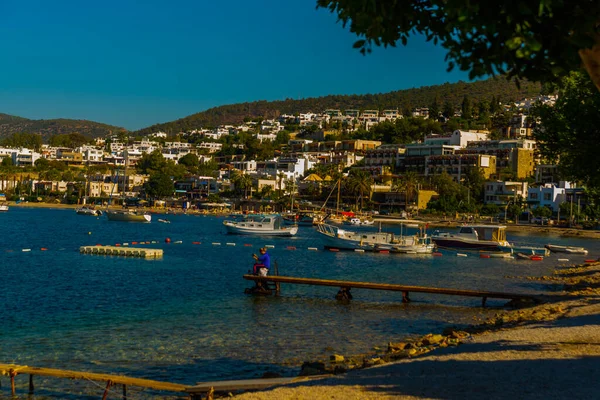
(263, 262)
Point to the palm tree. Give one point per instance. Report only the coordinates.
(408, 183)
(360, 182)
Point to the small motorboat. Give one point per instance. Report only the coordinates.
(566, 249)
(164, 221)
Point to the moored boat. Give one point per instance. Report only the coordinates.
(128, 216)
(338, 238)
(87, 210)
(3, 206)
(566, 249)
(474, 237)
(264, 225)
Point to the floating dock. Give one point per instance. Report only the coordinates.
(345, 286)
(121, 251)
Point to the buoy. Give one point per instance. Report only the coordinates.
(359, 250)
(43, 249)
(134, 243)
(269, 246)
(313, 248)
(334, 250)
(461, 255)
(167, 240)
(291, 248)
(563, 259)
(484, 256)
(248, 244)
(384, 251)
(89, 233)
(216, 244)
(26, 249)
(230, 244)
(177, 242)
(117, 244)
(536, 258)
(195, 242)
(436, 254)
(590, 261)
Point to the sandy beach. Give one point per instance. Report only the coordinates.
(549, 351)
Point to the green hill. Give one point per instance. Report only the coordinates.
(503, 90)
(10, 124)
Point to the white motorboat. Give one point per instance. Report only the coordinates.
(264, 225)
(87, 210)
(566, 249)
(128, 216)
(339, 238)
(474, 237)
(3, 206)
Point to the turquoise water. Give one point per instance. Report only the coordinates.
(185, 318)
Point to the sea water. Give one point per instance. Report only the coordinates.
(184, 318)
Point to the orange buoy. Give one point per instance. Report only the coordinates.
(334, 250)
(384, 251)
(536, 258)
(167, 240)
(117, 244)
(248, 244)
(195, 242)
(291, 248)
(484, 256)
(43, 249)
(134, 242)
(590, 261)
(436, 254)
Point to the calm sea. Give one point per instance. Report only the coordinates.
(185, 318)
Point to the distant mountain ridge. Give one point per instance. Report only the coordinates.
(500, 88)
(10, 124)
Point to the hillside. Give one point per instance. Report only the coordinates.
(505, 91)
(10, 124)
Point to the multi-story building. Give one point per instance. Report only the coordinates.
(501, 193)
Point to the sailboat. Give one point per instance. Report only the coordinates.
(126, 214)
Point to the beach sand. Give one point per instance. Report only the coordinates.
(549, 351)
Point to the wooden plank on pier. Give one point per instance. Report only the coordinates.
(392, 287)
(9, 369)
(248, 384)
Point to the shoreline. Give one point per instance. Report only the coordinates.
(534, 352)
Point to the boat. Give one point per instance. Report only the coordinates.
(527, 250)
(474, 237)
(128, 215)
(338, 238)
(359, 221)
(264, 225)
(300, 218)
(3, 206)
(164, 221)
(87, 210)
(566, 249)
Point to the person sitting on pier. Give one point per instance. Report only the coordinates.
(263, 262)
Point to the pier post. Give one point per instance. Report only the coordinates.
(124, 392)
(30, 384)
(405, 298)
(108, 385)
(277, 284)
(12, 373)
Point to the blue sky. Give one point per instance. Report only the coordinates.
(134, 64)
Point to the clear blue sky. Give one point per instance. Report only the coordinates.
(134, 64)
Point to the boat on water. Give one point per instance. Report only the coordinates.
(359, 221)
(474, 237)
(339, 238)
(533, 257)
(566, 249)
(3, 206)
(128, 215)
(264, 225)
(300, 218)
(164, 220)
(87, 210)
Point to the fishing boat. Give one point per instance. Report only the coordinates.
(128, 215)
(300, 218)
(263, 225)
(87, 210)
(474, 237)
(566, 249)
(338, 238)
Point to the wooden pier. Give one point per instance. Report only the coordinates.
(345, 286)
(12, 371)
(121, 251)
(203, 390)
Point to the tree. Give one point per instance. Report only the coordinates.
(537, 40)
(467, 111)
(434, 109)
(359, 182)
(568, 133)
(159, 185)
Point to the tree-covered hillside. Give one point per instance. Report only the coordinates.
(454, 93)
(10, 125)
